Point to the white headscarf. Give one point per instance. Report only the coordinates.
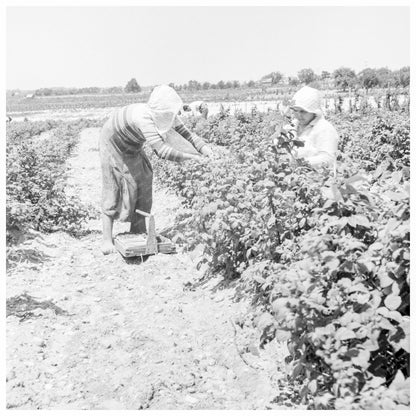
(309, 99)
(164, 104)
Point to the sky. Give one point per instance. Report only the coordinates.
(106, 46)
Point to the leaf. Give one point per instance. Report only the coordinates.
(376, 382)
(398, 381)
(365, 266)
(395, 289)
(332, 264)
(385, 324)
(313, 386)
(385, 280)
(396, 316)
(383, 311)
(356, 178)
(356, 245)
(268, 184)
(397, 176)
(358, 287)
(396, 196)
(351, 221)
(328, 255)
(393, 302)
(265, 320)
(352, 353)
(336, 194)
(376, 246)
(297, 370)
(405, 325)
(363, 359)
(282, 336)
(303, 391)
(279, 304)
(345, 282)
(343, 334)
(348, 266)
(362, 298)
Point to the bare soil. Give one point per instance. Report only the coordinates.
(87, 331)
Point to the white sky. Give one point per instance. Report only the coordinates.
(106, 46)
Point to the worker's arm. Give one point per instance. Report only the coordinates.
(325, 153)
(162, 149)
(194, 139)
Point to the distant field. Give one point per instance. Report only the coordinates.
(98, 106)
(22, 104)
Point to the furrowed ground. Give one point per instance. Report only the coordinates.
(87, 331)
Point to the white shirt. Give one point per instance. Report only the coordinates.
(321, 143)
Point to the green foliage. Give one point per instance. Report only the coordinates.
(35, 196)
(368, 78)
(274, 77)
(324, 259)
(306, 75)
(402, 77)
(344, 78)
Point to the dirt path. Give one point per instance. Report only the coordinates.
(100, 332)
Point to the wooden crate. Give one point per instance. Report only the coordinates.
(132, 245)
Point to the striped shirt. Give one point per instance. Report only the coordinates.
(133, 127)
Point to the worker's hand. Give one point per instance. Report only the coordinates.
(195, 157)
(207, 152)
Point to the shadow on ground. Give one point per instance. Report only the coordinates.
(23, 306)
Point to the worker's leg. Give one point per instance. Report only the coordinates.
(138, 224)
(144, 196)
(107, 245)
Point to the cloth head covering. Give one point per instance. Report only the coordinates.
(164, 104)
(309, 99)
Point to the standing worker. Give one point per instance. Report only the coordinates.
(198, 108)
(126, 171)
(319, 135)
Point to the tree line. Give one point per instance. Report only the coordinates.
(342, 78)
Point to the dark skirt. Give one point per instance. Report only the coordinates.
(127, 177)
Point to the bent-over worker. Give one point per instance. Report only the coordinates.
(127, 173)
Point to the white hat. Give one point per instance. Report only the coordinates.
(164, 104)
(309, 99)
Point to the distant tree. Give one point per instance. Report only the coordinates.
(306, 75)
(228, 84)
(206, 85)
(132, 86)
(402, 76)
(251, 84)
(172, 85)
(275, 77)
(344, 78)
(294, 81)
(44, 92)
(221, 85)
(236, 84)
(194, 85)
(368, 78)
(87, 90)
(385, 77)
(113, 90)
